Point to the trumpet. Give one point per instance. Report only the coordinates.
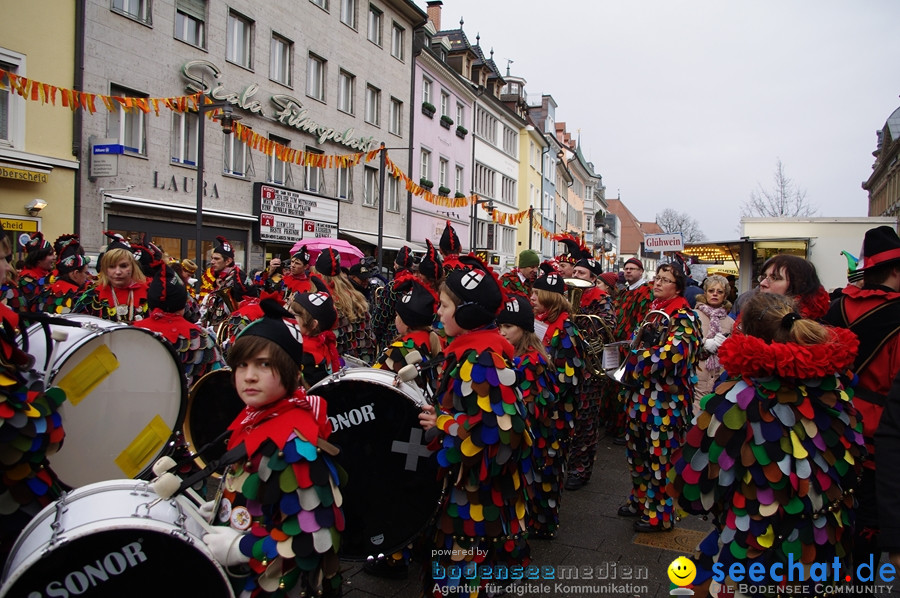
(652, 331)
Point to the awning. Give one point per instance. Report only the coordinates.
(388, 242)
(125, 201)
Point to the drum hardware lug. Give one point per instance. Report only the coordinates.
(56, 526)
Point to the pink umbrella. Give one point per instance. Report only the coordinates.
(350, 254)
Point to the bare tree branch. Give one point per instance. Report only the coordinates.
(677, 222)
(783, 199)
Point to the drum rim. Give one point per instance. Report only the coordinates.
(411, 391)
(185, 426)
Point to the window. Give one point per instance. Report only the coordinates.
(510, 141)
(138, 10)
(346, 91)
(373, 105)
(370, 187)
(344, 183)
(348, 13)
(281, 52)
(426, 90)
(486, 126)
(443, 169)
(320, 3)
(485, 181)
(396, 124)
(460, 180)
(425, 165)
(315, 77)
(374, 25)
(239, 40)
(312, 175)
(184, 138)
(445, 103)
(392, 201)
(278, 171)
(129, 126)
(460, 114)
(190, 22)
(12, 105)
(237, 157)
(397, 41)
(508, 190)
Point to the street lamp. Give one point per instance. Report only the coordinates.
(227, 118)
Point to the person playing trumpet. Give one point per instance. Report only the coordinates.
(660, 373)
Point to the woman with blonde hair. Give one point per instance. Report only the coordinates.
(354, 327)
(120, 291)
(775, 454)
(712, 308)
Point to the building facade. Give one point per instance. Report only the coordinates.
(883, 185)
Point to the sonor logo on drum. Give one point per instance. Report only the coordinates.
(353, 417)
(78, 582)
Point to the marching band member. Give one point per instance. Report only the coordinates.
(521, 279)
(120, 292)
(659, 378)
(222, 285)
(450, 246)
(483, 439)
(316, 317)
(35, 276)
(295, 281)
(280, 512)
(248, 311)
(354, 326)
(566, 261)
(383, 312)
(72, 279)
(539, 393)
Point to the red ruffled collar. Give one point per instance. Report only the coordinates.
(278, 420)
(743, 355)
(172, 326)
(484, 339)
(851, 290)
(816, 305)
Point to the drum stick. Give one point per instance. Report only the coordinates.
(58, 336)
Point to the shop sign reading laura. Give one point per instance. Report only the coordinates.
(288, 110)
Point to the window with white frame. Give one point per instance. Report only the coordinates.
(346, 91)
(370, 187)
(443, 172)
(190, 22)
(396, 124)
(237, 157)
(344, 186)
(460, 114)
(426, 90)
(510, 141)
(348, 13)
(320, 3)
(373, 105)
(278, 171)
(239, 40)
(397, 35)
(315, 77)
(507, 239)
(313, 179)
(425, 165)
(460, 179)
(508, 190)
(184, 138)
(485, 181)
(12, 105)
(392, 191)
(281, 59)
(486, 126)
(445, 103)
(375, 18)
(139, 10)
(129, 127)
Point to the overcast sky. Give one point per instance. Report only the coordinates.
(689, 104)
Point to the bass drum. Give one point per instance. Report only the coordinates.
(125, 398)
(213, 403)
(392, 491)
(109, 540)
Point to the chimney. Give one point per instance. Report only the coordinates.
(434, 13)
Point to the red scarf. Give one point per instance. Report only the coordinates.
(34, 272)
(105, 292)
(670, 306)
(553, 326)
(299, 284)
(171, 326)
(323, 347)
(483, 339)
(278, 420)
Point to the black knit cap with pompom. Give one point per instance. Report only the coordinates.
(415, 304)
(552, 282)
(320, 306)
(223, 247)
(278, 326)
(329, 262)
(405, 257)
(481, 296)
(518, 312)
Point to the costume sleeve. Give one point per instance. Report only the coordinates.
(199, 355)
(90, 303)
(383, 316)
(33, 292)
(887, 445)
(674, 357)
(566, 354)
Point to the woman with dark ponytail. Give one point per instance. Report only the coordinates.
(775, 452)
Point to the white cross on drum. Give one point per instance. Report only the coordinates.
(413, 449)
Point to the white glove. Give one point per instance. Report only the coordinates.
(712, 344)
(208, 510)
(223, 544)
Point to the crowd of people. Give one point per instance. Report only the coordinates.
(763, 410)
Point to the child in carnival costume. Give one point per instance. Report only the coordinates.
(71, 280)
(483, 440)
(120, 292)
(280, 513)
(317, 317)
(34, 278)
(776, 451)
(537, 381)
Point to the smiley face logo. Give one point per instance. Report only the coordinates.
(682, 571)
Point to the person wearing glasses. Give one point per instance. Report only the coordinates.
(794, 277)
(659, 375)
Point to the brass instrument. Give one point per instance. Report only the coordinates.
(575, 288)
(594, 330)
(652, 331)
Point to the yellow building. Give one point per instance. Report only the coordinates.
(37, 165)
